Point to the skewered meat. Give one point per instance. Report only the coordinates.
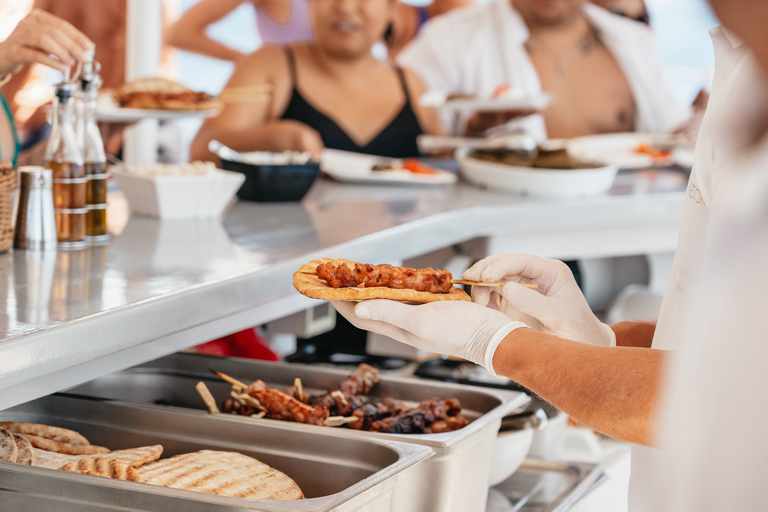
(419, 419)
(280, 406)
(370, 413)
(388, 276)
(360, 381)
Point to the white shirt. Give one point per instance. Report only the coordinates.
(476, 49)
(734, 111)
(713, 431)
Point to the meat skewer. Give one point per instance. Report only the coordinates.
(388, 276)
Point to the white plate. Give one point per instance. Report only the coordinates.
(352, 167)
(439, 100)
(619, 149)
(127, 115)
(527, 181)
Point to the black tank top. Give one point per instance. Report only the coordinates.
(396, 140)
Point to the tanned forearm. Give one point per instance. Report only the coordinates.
(638, 333)
(613, 390)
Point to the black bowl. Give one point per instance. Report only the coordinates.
(274, 183)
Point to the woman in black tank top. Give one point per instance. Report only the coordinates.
(331, 93)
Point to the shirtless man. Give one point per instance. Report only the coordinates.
(601, 69)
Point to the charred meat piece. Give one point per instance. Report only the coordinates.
(360, 381)
(292, 392)
(283, 407)
(388, 276)
(419, 419)
(449, 424)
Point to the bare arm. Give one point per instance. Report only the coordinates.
(612, 390)
(254, 125)
(189, 32)
(428, 117)
(638, 333)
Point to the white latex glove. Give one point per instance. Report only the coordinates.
(557, 306)
(455, 328)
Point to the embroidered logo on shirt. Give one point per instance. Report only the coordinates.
(694, 193)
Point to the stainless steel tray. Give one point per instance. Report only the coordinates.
(455, 479)
(334, 472)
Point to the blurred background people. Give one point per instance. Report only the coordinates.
(601, 69)
(279, 22)
(409, 19)
(330, 93)
(104, 21)
(38, 38)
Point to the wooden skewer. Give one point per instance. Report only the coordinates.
(207, 397)
(252, 401)
(258, 416)
(337, 421)
(236, 397)
(231, 380)
(533, 286)
(340, 399)
(299, 389)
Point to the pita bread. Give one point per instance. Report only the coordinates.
(223, 474)
(92, 473)
(306, 281)
(62, 435)
(9, 452)
(59, 447)
(106, 466)
(26, 450)
(134, 457)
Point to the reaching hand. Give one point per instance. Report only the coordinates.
(557, 306)
(456, 328)
(42, 38)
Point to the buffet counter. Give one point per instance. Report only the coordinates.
(160, 287)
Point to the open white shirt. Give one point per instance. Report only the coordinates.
(735, 108)
(476, 49)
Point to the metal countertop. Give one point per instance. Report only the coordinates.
(159, 287)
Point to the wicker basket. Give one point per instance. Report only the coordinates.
(7, 184)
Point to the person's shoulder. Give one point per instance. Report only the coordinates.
(616, 23)
(268, 62)
(463, 19)
(414, 83)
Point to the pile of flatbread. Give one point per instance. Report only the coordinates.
(213, 472)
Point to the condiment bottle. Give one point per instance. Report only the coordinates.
(64, 158)
(92, 147)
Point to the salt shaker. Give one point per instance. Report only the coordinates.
(35, 218)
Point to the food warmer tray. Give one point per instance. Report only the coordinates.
(334, 472)
(545, 486)
(455, 479)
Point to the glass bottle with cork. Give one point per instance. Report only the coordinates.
(64, 158)
(92, 146)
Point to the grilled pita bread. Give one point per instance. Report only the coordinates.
(306, 281)
(61, 435)
(9, 452)
(133, 457)
(111, 468)
(222, 473)
(26, 450)
(59, 447)
(92, 473)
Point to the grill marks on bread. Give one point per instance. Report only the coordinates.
(222, 473)
(67, 448)
(58, 434)
(26, 450)
(104, 466)
(133, 457)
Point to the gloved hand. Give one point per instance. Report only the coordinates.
(455, 328)
(557, 306)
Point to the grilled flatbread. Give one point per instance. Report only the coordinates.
(92, 473)
(9, 452)
(59, 447)
(61, 435)
(222, 473)
(134, 457)
(26, 450)
(111, 468)
(306, 281)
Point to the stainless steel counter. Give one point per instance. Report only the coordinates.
(159, 287)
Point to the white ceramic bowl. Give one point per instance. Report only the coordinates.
(179, 197)
(509, 451)
(534, 182)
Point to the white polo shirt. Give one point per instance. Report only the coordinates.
(735, 109)
(475, 49)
